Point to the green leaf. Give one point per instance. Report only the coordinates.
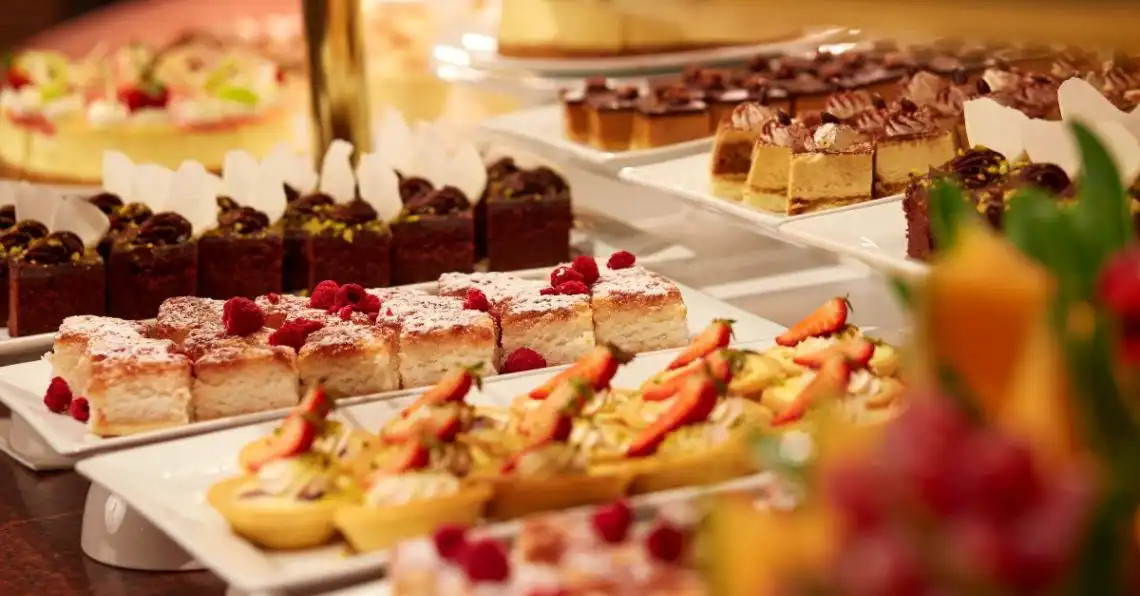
(1102, 214)
(220, 76)
(1045, 230)
(948, 210)
(242, 95)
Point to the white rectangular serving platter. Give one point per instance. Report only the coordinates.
(166, 484)
(22, 387)
(540, 130)
(688, 178)
(872, 233)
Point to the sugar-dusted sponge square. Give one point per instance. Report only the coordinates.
(351, 358)
(638, 311)
(78, 332)
(560, 328)
(241, 375)
(437, 335)
(499, 288)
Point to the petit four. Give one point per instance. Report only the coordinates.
(611, 118)
(637, 310)
(907, 140)
(575, 114)
(766, 186)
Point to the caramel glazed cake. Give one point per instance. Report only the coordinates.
(202, 359)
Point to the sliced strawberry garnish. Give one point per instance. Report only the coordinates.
(453, 387)
(295, 436)
(828, 384)
(440, 423)
(857, 351)
(827, 319)
(714, 337)
(413, 455)
(316, 403)
(665, 385)
(695, 401)
(596, 368)
(549, 427)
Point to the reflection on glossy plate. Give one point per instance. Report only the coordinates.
(874, 234)
(688, 178)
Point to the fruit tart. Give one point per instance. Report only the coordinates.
(552, 471)
(411, 488)
(289, 493)
(596, 370)
(338, 440)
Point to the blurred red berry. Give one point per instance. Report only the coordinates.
(879, 564)
(1118, 285)
(1001, 479)
(561, 275)
(621, 260)
(587, 267)
(476, 300)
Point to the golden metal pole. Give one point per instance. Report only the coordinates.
(338, 93)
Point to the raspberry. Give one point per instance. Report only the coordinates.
(372, 316)
(450, 541)
(345, 313)
(548, 292)
(349, 295)
(293, 333)
(58, 395)
(665, 543)
(242, 316)
(486, 561)
(562, 275)
(612, 522)
(621, 260)
(587, 267)
(389, 313)
(324, 295)
(523, 359)
(476, 300)
(573, 287)
(370, 304)
(80, 409)
(273, 297)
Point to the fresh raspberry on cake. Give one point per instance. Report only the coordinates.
(486, 561)
(80, 409)
(349, 295)
(324, 295)
(369, 304)
(587, 267)
(273, 297)
(621, 260)
(242, 316)
(523, 359)
(548, 292)
(450, 541)
(573, 287)
(58, 396)
(562, 275)
(476, 300)
(293, 333)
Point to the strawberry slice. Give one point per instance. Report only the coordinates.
(453, 387)
(695, 402)
(714, 337)
(315, 403)
(568, 399)
(858, 353)
(829, 383)
(597, 369)
(552, 427)
(440, 423)
(415, 455)
(295, 436)
(827, 319)
(667, 384)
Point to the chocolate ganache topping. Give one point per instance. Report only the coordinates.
(978, 167)
(21, 235)
(309, 206)
(164, 229)
(442, 201)
(226, 204)
(55, 249)
(501, 168)
(7, 216)
(412, 188)
(353, 213)
(1046, 176)
(537, 182)
(131, 214)
(107, 202)
(243, 220)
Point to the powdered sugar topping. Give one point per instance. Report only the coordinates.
(634, 281)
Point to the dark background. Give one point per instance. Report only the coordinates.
(24, 18)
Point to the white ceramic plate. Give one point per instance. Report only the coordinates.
(22, 387)
(874, 234)
(166, 483)
(540, 130)
(688, 178)
(479, 49)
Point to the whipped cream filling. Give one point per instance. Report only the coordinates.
(30, 100)
(294, 478)
(550, 460)
(335, 439)
(401, 489)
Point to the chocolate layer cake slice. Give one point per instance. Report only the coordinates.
(668, 116)
(349, 244)
(299, 218)
(497, 172)
(240, 257)
(150, 263)
(433, 235)
(731, 156)
(13, 242)
(55, 278)
(529, 216)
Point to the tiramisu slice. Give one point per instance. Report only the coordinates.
(766, 186)
(908, 141)
(732, 149)
(833, 169)
(637, 310)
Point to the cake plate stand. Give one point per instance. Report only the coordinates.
(20, 441)
(116, 535)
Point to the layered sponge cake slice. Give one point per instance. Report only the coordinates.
(560, 328)
(437, 335)
(638, 311)
(349, 358)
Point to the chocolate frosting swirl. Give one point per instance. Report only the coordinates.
(164, 229)
(7, 216)
(1119, 77)
(977, 167)
(243, 220)
(784, 132)
(1046, 176)
(108, 203)
(848, 104)
(907, 119)
(413, 188)
(309, 206)
(353, 213)
(54, 249)
(442, 201)
(226, 204)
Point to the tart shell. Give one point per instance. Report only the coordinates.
(299, 525)
(516, 496)
(359, 442)
(370, 529)
(731, 459)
